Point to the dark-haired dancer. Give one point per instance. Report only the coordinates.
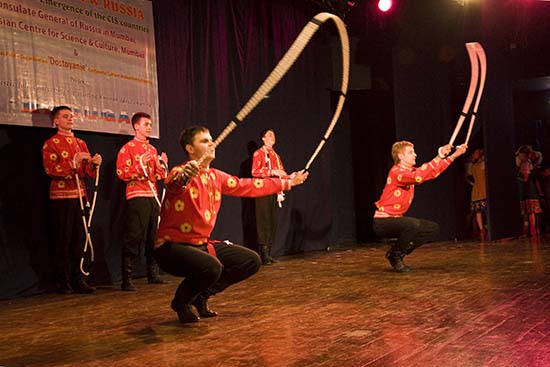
(267, 163)
(139, 165)
(398, 194)
(184, 247)
(64, 156)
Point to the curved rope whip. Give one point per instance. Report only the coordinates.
(144, 169)
(282, 68)
(471, 91)
(483, 74)
(478, 63)
(343, 90)
(161, 200)
(87, 224)
(165, 167)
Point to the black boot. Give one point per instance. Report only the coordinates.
(269, 255)
(410, 248)
(127, 285)
(80, 286)
(64, 288)
(185, 314)
(153, 273)
(266, 255)
(201, 304)
(63, 285)
(182, 301)
(396, 261)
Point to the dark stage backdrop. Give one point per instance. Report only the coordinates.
(212, 55)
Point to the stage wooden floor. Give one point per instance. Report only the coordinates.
(465, 304)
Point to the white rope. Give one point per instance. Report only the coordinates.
(282, 68)
(478, 62)
(153, 190)
(474, 77)
(165, 167)
(343, 87)
(483, 74)
(86, 223)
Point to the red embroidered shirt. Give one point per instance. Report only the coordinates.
(189, 214)
(129, 169)
(57, 156)
(264, 161)
(398, 193)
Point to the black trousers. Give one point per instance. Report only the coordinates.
(203, 272)
(141, 227)
(410, 232)
(68, 237)
(266, 219)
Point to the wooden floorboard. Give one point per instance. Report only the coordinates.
(464, 304)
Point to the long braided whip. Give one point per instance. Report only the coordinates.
(343, 88)
(96, 185)
(483, 74)
(282, 68)
(86, 223)
(151, 185)
(471, 90)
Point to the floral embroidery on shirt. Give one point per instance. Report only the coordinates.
(186, 227)
(258, 183)
(231, 182)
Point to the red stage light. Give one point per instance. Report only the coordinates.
(384, 5)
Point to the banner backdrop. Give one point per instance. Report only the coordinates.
(96, 56)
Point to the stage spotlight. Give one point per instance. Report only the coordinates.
(384, 5)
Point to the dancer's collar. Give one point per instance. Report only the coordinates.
(141, 140)
(405, 167)
(65, 132)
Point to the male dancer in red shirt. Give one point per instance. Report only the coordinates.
(142, 208)
(184, 247)
(267, 163)
(398, 194)
(64, 156)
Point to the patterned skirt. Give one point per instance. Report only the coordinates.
(479, 206)
(530, 206)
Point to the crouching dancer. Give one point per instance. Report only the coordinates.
(389, 218)
(188, 216)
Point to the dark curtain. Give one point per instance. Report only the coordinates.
(504, 217)
(211, 57)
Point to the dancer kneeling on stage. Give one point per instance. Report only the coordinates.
(398, 194)
(184, 247)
